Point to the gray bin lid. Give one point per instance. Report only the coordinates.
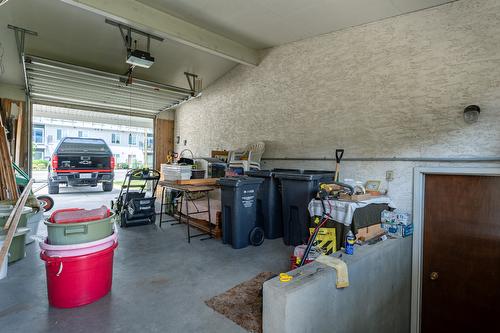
(260, 173)
(281, 170)
(303, 177)
(6, 210)
(239, 181)
(19, 232)
(314, 172)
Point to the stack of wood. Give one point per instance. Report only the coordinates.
(359, 197)
(203, 224)
(8, 188)
(15, 124)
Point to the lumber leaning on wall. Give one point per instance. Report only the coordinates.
(12, 119)
(7, 178)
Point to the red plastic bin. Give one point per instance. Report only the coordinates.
(75, 215)
(79, 280)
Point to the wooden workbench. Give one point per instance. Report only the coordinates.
(186, 187)
(187, 193)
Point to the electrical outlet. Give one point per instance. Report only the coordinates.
(389, 175)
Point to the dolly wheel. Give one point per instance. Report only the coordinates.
(257, 236)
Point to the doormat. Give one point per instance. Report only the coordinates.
(243, 303)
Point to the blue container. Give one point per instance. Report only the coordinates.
(239, 209)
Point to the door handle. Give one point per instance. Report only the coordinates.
(434, 276)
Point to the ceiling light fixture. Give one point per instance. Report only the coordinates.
(3, 2)
(471, 114)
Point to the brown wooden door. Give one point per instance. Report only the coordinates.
(462, 247)
(163, 141)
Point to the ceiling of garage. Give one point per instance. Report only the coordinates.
(73, 35)
(266, 23)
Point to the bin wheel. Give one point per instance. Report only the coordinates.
(257, 236)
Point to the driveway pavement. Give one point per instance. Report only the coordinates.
(81, 197)
(76, 197)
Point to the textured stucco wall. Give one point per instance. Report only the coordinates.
(391, 88)
(12, 92)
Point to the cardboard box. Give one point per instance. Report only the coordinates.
(369, 233)
(326, 239)
(395, 217)
(398, 230)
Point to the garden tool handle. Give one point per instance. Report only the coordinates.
(339, 153)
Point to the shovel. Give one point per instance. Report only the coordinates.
(338, 156)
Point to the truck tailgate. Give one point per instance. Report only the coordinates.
(84, 162)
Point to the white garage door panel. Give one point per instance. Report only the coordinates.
(52, 81)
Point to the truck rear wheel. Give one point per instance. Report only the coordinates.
(53, 188)
(107, 187)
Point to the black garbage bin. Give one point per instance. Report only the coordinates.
(239, 211)
(297, 190)
(269, 213)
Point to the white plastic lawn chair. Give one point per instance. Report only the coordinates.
(247, 158)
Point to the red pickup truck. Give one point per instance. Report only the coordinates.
(81, 162)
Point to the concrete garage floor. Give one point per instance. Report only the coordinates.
(82, 196)
(160, 282)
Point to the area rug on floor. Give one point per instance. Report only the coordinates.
(243, 303)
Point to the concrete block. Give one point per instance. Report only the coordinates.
(377, 300)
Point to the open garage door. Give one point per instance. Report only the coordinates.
(57, 83)
(80, 157)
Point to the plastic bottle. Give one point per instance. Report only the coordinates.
(349, 243)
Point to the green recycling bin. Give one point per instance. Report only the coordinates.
(5, 211)
(80, 232)
(17, 249)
